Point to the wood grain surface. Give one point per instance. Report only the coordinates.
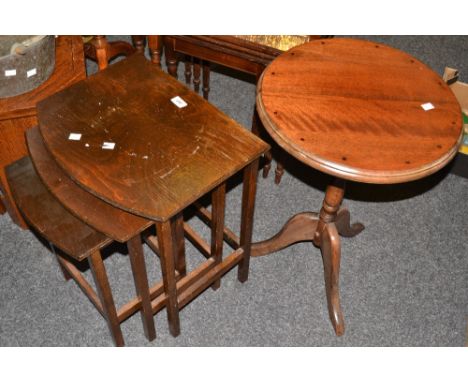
(353, 109)
(111, 221)
(48, 216)
(164, 157)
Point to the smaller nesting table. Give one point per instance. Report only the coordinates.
(358, 111)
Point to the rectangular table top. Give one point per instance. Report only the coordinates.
(137, 149)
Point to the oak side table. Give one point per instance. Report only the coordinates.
(359, 111)
(136, 138)
(17, 114)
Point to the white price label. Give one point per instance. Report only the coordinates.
(31, 72)
(74, 137)
(108, 145)
(427, 106)
(179, 102)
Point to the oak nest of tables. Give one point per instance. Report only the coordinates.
(128, 148)
(358, 111)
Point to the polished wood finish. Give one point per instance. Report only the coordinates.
(47, 216)
(152, 172)
(357, 111)
(347, 107)
(322, 229)
(18, 113)
(113, 222)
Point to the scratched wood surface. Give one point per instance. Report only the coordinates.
(164, 157)
(48, 216)
(352, 108)
(111, 221)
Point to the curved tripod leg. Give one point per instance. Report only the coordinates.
(343, 225)
(300, 227)
(331, 254)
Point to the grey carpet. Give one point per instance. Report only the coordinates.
(403, 279)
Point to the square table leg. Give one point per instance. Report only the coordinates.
(105, 294)
(179, 240)
(164, 231)
(218, 197)
(248, 206)
(137, 261)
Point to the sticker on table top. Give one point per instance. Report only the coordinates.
(427, 106)
(108, 145)
(31, 72)
(179, 102)
(10, 72)
(74, 137)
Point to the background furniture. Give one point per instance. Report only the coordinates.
(248, 53)
(102, 51)
(18, 113)
(460, 89)
(345, 122)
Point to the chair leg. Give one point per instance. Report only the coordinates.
(171, 56)
(188, 69)
(105, 294)
(155, 46)
(139, 43)
(137, 261)
(196, 74)
(206, 79)
(166, 247)
(248, 205)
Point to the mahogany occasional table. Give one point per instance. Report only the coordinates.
(358, 111)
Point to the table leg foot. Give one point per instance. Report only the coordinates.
(343, 225)
(331, 255)
(300, 227)
(279, 172)
(267, 166)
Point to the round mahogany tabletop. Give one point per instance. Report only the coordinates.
(360, 111)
